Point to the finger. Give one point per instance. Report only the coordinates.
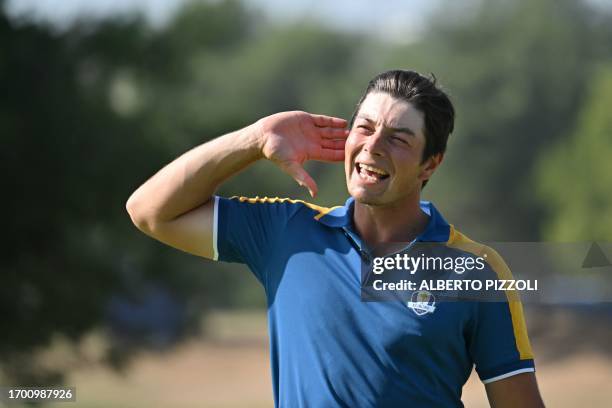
(328, 121)
(300, 175)
(333, 133)
(333, 144)
(331, 155)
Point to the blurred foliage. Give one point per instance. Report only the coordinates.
(576, 176)
(89, 113)
(518, 71)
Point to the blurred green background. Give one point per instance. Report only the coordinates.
(92, 106)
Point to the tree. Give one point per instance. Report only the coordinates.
(89, 113)
(517, 73)
(575, 177)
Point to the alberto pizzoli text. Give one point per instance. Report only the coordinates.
(458, 285)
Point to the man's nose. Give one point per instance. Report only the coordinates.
(374, 143)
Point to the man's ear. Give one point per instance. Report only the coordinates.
(431, 164)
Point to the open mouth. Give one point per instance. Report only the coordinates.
(370, 173)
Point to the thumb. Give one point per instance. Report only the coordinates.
(295, 170)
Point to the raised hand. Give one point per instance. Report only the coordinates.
(292, 138)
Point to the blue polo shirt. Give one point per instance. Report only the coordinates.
(329, 348)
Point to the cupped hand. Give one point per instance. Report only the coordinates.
(292, 138)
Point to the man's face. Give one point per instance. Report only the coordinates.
(384, 151)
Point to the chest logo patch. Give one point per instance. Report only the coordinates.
(422, 302)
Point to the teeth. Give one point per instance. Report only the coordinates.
(373, 169)
(366, 176)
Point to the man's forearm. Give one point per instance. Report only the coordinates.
(190, 180)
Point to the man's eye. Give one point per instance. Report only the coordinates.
(399, 139)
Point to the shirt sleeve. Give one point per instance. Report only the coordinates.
(499, 344)
(246, 230)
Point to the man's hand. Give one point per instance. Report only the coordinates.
(291, 138)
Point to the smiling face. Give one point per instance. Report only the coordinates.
(384, 151)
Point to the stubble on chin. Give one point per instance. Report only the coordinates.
(367, 199)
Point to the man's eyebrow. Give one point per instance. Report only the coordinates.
(362, 116)
(402, 130)
(395, 129)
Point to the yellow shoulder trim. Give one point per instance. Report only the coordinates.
(326, 211)
(255, 200)
(460, 241)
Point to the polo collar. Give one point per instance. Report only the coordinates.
(437, 229)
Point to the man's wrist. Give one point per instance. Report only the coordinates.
(252, 139)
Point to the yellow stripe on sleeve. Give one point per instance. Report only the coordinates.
(255, 200)
(462, 242)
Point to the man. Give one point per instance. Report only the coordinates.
(328, 348)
